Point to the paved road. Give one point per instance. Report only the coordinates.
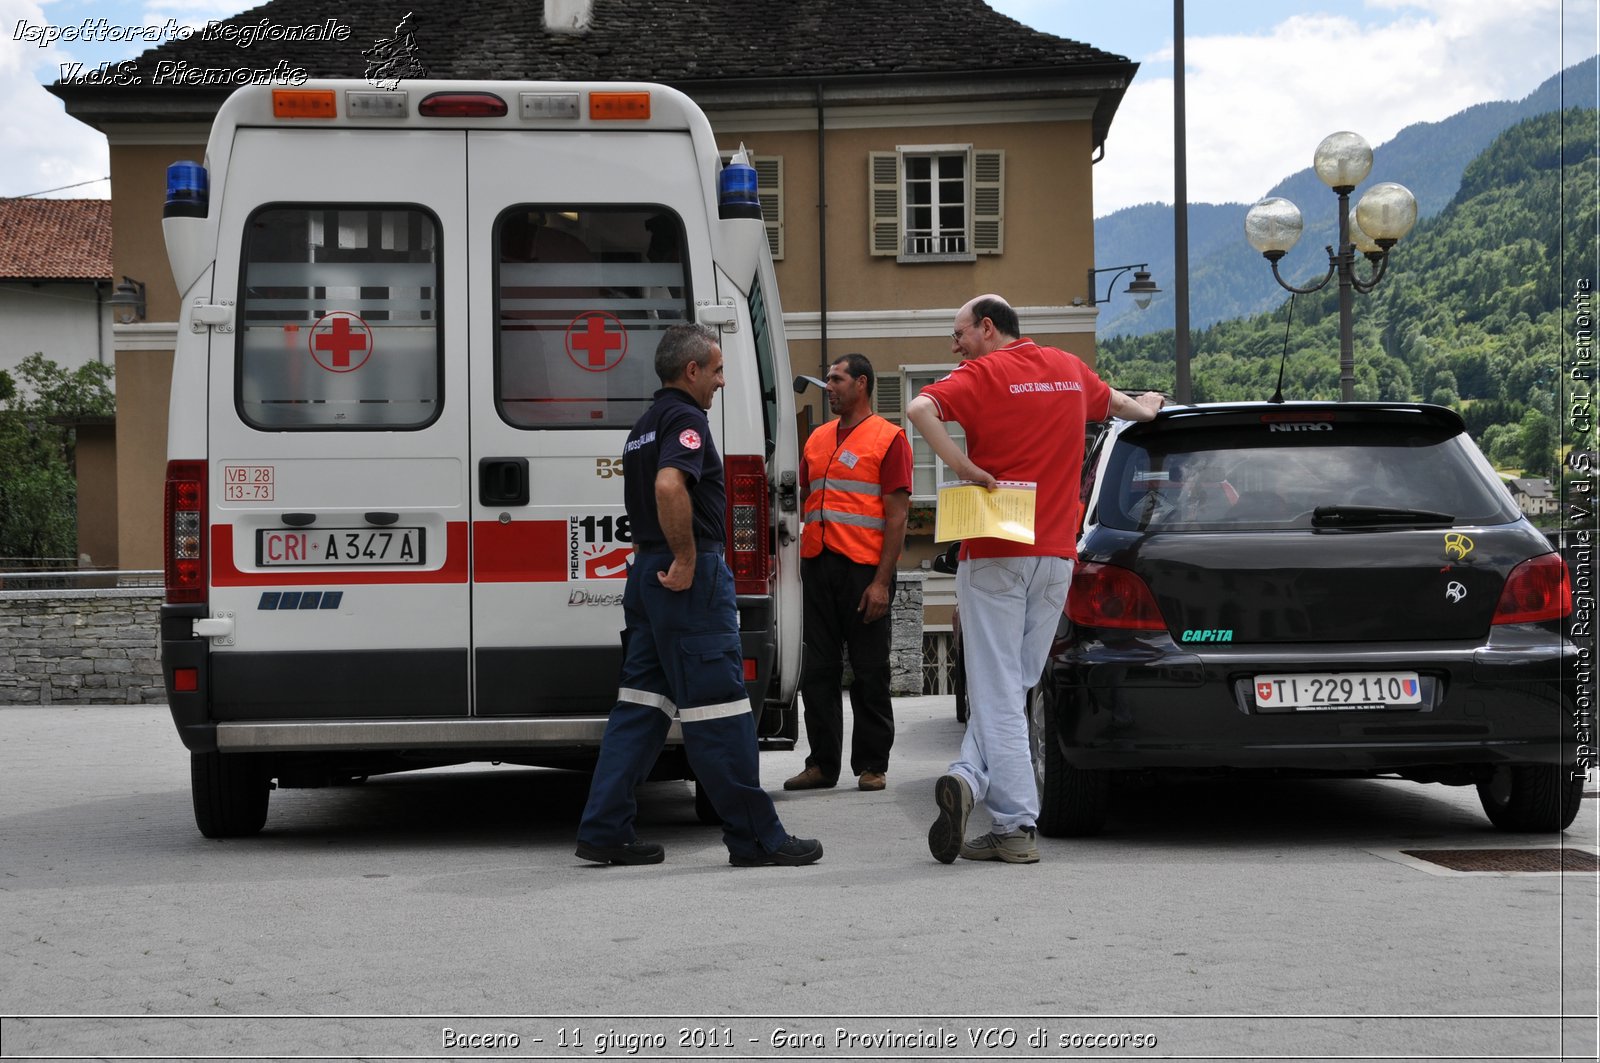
(1223, 920)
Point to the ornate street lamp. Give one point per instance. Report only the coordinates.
(1142, 288)
(1385, 214)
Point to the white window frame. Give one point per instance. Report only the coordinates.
(981, 200)
(914, 378)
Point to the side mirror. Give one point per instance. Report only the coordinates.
(801, 381)
(948, 561)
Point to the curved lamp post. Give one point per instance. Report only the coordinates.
(1142, 288)
(1385, 214)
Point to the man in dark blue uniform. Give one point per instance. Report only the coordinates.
(681, 652)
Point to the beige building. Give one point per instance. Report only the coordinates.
(910, 158)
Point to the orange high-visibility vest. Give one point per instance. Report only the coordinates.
(844, 509)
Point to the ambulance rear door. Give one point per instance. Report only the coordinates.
(338, 427)
(595, 242)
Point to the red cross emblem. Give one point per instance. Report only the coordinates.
(336, 337)
(591, 339)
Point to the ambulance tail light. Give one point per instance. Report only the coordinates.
(748, 531)
(184, 531)
(462, 105)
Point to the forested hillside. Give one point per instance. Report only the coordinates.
(1476, 312)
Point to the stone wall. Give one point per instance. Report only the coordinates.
(99, 647)
(905, 649)
(80, 647)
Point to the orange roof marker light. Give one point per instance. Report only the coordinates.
(619, 105)
(304, 103)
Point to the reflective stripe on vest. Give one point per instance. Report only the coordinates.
(844, 509)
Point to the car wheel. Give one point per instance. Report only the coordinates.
(1073, 802)
(230, 793)
(704, 810)
(1532, 797)
(958, 683)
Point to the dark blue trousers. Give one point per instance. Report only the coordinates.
(682, 659)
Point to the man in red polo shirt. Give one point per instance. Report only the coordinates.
(1023, 408)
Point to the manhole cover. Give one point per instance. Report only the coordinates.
(1503, 860)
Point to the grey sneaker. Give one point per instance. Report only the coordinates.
(1018, 847)
(954, 798)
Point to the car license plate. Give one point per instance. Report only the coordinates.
(1347, 690)
(338, 547)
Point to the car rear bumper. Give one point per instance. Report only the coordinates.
(1153, 704)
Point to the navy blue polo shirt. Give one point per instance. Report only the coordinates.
(673, 433)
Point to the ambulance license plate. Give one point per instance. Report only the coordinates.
(338, 547)
(1347, 691)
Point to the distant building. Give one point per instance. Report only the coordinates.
(1536, 498)
(55, 278)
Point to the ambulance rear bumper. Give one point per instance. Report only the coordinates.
(500, 732)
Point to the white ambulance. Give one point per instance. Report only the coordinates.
(417, 324)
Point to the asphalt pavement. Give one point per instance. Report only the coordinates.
(443, 914)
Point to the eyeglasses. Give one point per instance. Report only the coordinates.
(956, 335)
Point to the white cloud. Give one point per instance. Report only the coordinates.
(41, 148)
(1258, 104)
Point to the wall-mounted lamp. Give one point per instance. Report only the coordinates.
(127, 301)
(1142, 288)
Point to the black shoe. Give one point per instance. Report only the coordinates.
(796, 852)
(635, 852)
(954, 798)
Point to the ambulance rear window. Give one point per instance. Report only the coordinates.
(583, 296)
(339, 313)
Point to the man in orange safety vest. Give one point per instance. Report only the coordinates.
(857, 478)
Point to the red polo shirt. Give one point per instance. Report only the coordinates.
(1024, 408)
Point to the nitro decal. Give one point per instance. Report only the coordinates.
(599, 546)
(1455, 592)
(1457, 546)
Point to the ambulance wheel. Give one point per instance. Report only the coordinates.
(704, 811)
(230, 793)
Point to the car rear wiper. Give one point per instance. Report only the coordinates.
(1346, 516)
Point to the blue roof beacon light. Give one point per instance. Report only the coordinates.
(736, 188)
(188, 191)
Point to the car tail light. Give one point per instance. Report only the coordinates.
(1538, 589)
(184, 531)
(747, 523)
(1111, 596)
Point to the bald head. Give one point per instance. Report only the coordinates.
(983, 324)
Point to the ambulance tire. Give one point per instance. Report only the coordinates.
(230, 794)
(703, 810)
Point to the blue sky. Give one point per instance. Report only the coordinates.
(1267, 79)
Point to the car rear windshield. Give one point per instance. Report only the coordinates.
(1299, 474)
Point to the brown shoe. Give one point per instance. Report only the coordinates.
(873, 780)
(810, 779)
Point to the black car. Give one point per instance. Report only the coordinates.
(1333, 589)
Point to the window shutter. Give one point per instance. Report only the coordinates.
(769, 190)
(889, 397)
(884, 238)
(988, 202)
